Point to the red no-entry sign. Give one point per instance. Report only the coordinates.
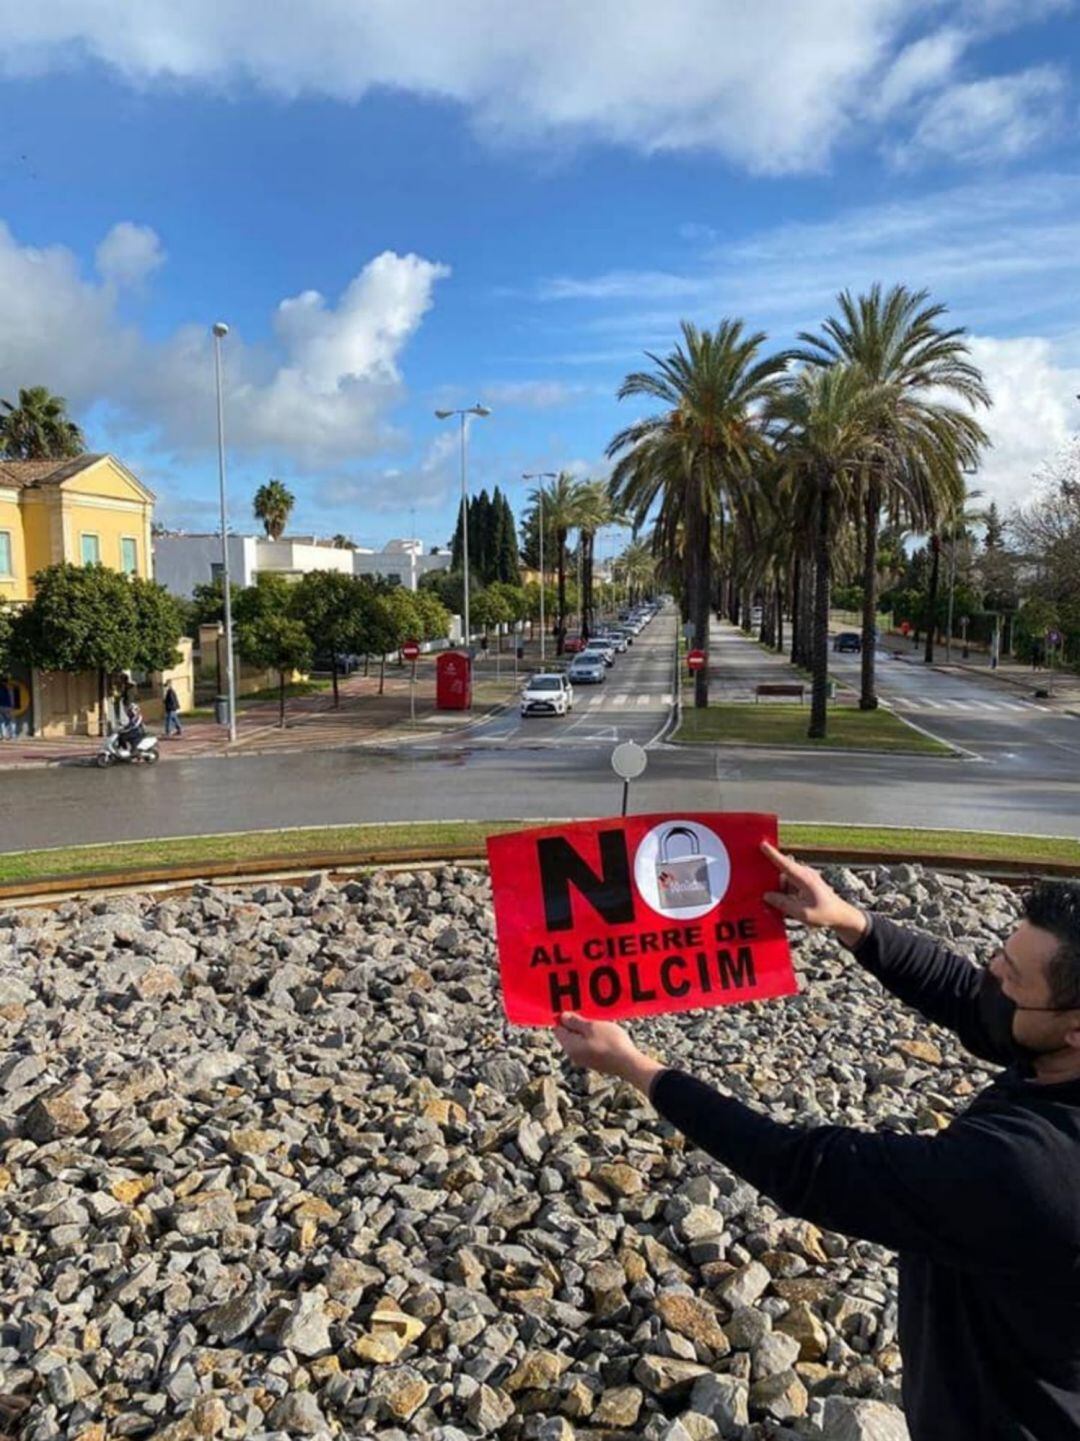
(411, 649)
(696, 660)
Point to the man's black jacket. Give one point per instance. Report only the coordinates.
(985, 1215)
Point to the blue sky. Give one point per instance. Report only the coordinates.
(396, 206)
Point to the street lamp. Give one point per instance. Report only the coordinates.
(541, 476)
(482, 411)
(220, 331)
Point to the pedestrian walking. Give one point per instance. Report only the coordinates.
(7, 709)
(172, 712)
(985, 1214)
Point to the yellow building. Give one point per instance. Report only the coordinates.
(87, 510)
(90, 509)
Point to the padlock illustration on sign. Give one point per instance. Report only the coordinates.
(682, 880)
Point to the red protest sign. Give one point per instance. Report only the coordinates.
(637, 915)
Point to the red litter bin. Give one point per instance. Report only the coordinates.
(453, 681)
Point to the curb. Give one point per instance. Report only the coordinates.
(228, 752)
(341, 864)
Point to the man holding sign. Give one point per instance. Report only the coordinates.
(985, 1215)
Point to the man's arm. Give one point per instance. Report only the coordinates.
(983, 1192)
(919, 971)
(977, 1194)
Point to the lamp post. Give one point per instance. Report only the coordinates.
(541, 476)
(480, 410)
(220, 332)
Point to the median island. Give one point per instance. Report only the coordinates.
(776, 723)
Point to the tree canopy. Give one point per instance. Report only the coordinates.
(273, 504)
(37, 427)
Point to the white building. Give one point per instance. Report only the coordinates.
(181, 562)
(401, 562)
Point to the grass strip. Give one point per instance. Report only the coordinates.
(287, 845)
(979, 845)
(117, 857)
(773, 723)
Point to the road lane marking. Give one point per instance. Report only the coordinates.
(620, 699)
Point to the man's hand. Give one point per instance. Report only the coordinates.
(603, 1046)
(806, 897)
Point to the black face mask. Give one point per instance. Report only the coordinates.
(996, 1012)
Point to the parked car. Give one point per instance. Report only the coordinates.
(572, 644)
(547, 694)
(848, 640)
(602, 649)
(346, 664)
(587, 670)
(614, 639)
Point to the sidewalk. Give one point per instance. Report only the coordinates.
(363, 718)
(1009, 676)
(738, 665)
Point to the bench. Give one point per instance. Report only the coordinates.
(786, 687)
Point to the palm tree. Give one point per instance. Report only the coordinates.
(827, 423)
(952, 527)
(594, 511)
(636, 568)
(37, 427)
(561, 501)
(698, 455)
(273, 505)
(896, 339)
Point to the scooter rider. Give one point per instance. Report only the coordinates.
(129, 735)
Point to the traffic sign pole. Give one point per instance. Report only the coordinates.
(410, 652)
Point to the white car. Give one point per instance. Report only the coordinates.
(602, 649)
(613, 639)
(549, 694)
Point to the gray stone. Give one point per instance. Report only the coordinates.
(298, 1414)
(849, 1420)
(307, 1328)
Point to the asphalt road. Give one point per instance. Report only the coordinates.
(1024, 774)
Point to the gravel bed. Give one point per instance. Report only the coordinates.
(272, 1165)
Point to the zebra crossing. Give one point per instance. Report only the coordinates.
(623, 700)
(950, 706)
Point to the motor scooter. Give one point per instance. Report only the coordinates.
(144, 752)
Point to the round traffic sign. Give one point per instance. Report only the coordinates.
(696, 659)
(628, 760)
(411, 649)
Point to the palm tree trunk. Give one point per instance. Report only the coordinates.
(820, 644)
(699, 555)
(796, 617)
(868, 698)
(560, 634)
(779, 617)
(932, 598)
(587, 585)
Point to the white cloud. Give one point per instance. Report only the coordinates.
(533, 394)
(773, 87)
(1000, 118)
(128, 254)
(1035, 411)
(1001, 254)
(920, 66)
(321, 395)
